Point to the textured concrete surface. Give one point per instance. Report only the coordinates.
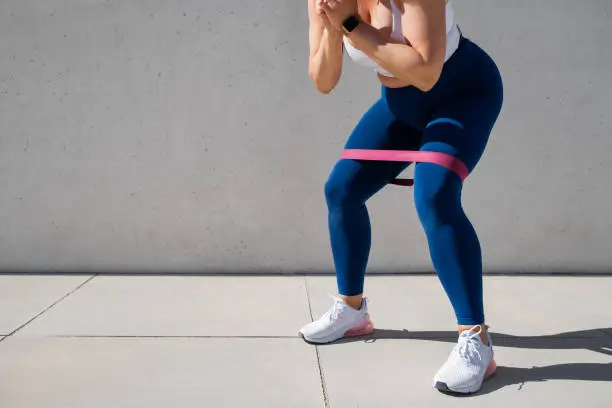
(399, 373)
(22, 298)
(179, 306)
(98, 373)
(209, 353)
(186, 136)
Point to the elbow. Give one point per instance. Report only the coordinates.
(429, 79)
(324, 89)
(426, 75)
(323, 85)
(426, 85)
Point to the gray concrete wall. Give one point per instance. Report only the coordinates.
(185, 136)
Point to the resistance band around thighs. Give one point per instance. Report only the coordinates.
(446, 160)
(442, 159)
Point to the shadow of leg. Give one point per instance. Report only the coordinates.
(580, 340)
(507, 376)
(592, 340)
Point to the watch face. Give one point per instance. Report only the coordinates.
(350, 23)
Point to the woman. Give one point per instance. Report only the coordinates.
(440, 93)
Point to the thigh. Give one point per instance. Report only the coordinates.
(377, 129)
(462, 125)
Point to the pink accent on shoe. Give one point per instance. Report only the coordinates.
(491, 369)
(363, 329)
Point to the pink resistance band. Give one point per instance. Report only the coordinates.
(446, 160)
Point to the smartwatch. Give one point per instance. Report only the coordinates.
(350, 24)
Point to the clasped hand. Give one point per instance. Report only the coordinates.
(334, 12)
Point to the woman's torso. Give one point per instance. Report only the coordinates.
(385, 16)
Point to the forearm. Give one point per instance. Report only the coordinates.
(401, 60)
(325, 66)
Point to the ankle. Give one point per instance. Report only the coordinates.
(482, 332)
(353, 301)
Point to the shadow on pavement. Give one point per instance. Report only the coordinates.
(596, 340)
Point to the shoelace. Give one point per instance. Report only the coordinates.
(466, 348)
(336, 308)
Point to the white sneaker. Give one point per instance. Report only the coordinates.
(340, 321)
(469, 364)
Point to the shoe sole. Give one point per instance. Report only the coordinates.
(363, 329)
(443, 388)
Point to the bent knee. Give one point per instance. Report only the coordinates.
(437, 194)
(343, 187)
(339, 192)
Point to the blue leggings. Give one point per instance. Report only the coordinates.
(455, 117)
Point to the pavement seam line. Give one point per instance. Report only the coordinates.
(49, 307)
(318, 355)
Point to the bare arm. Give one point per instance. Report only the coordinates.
(421, 62)
(325, 59)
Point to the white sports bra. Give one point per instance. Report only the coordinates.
(453, 35)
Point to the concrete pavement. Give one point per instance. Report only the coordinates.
(141, 341)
